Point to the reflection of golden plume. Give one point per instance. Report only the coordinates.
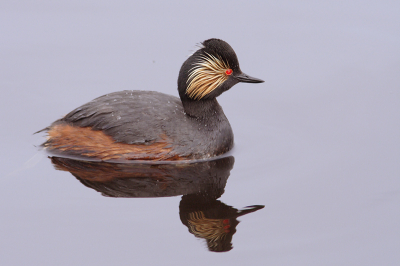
(207, 74)
(213, 230)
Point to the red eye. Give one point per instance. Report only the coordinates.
(228, 72)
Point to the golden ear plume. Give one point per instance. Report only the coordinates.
(206, 75)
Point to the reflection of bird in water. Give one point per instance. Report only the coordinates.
(212, 220)
(200, 183)
(132, 180)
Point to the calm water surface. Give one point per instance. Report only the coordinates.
(317, 144)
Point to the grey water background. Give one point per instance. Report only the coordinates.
(318, 143)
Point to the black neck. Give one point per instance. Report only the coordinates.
(203, 109)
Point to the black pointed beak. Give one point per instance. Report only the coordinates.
(242, 77)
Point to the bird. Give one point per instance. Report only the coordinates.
(153, 126)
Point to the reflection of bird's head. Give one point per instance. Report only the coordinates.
(211, 220)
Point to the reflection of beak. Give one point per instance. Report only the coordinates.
(250, 209)
(242, 77)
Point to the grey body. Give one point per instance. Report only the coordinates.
(192, 127)
(144, 117)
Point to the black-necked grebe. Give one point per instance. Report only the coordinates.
(147, 125)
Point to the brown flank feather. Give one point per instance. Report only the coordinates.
(85, 141)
